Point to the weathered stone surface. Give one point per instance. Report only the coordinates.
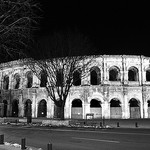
(56, 122)
(115, 74)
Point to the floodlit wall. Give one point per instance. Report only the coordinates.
(121, 78)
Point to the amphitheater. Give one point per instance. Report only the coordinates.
(118, 86)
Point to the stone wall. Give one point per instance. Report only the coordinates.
(121, 89)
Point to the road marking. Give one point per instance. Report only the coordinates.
(97, 140)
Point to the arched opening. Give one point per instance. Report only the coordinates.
(5, 107)
(148, 75)
(134, 108)
(43, 79)
(16, 81)
(29, 79)
(95, 108)
(95, 76)
(133, 74)
(115, 108)
(42, 108)
(28, 108)
(6, 83)
(148, 103)
(114, 74)
(76, 110)
(77, 78)
(15, 108)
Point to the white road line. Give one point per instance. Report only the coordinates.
(97, 140)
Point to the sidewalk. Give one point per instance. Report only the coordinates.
(13, 147)
(112, 123)
(123, 123)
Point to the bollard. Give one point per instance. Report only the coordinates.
(100, 124)
(136, 124)
(118, 124)
(2, 139)
(49, 146)
(23, 144)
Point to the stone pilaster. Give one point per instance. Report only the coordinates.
(86, 109)
(21, 106)
(67, 109)
(34, 105)
(50, 114)
(106, 110)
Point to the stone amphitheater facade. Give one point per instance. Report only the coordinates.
(118, 86)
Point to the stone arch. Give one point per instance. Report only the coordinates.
(98, 96)
(77, 78)
(29, 77)
(5, 107)
(114, 73)
(95, 76)
(148, 104)
(133, 74)
(28, 108)
(95, 108)
(148, 74)
(43, 79)
(76, 109)
(16, 81)
(42, 108)
(115, 108)
(6, 82)
(15, 108)
(134, 105)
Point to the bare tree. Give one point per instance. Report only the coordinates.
(59, 61)
(17, 21)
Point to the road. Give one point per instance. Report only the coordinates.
(61, 139)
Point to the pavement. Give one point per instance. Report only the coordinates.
(112, 123)
(16, 147)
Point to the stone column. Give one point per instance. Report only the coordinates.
(21, 86)
(67, 109)
(86, 109)
(34, 113)
(35, 81)
(36, 110)
(145, 109)
(141, 109)
(49, 108)
(83, 110)
(11, 82)
(125, 105)
(106, 110)
(52, 109)
(21, 106)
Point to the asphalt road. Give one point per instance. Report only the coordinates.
(61, 139)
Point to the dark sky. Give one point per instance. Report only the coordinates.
(114, 27)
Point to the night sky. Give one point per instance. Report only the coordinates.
(114, 27)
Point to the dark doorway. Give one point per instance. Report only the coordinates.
(134, 108)
(115, 109)
(76, 110)
(15, 108)
(77, 78)
(42, 108)
(95, 108)
(5, 108)
(28, 108)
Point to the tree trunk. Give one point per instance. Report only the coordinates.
(59, 112)
(62, 113)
